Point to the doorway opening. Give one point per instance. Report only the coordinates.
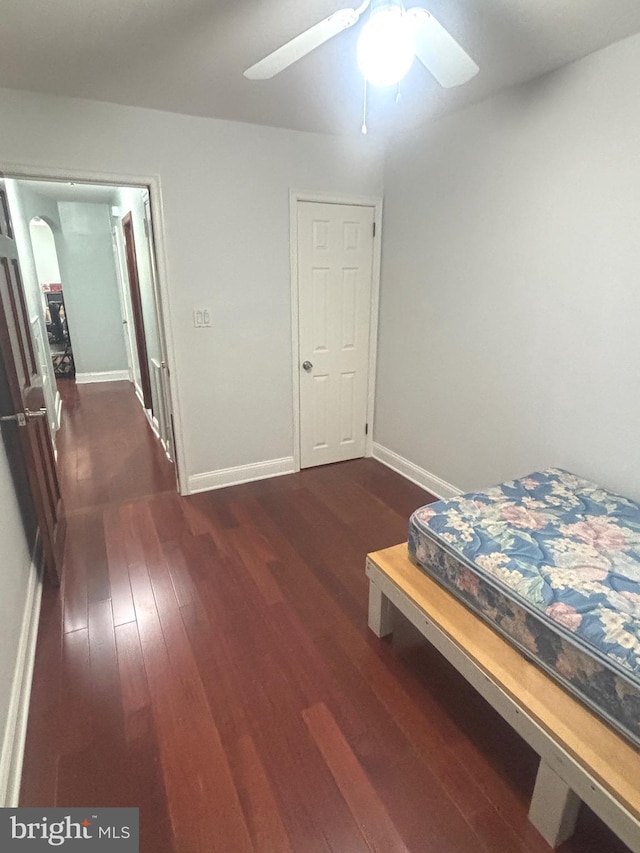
(45, 256)
(90, 278)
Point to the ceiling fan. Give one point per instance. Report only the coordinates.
(388, 43)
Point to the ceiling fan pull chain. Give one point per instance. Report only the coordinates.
(364, 110)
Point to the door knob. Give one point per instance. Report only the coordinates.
(39, 413)
(306, 365)
(21, 418)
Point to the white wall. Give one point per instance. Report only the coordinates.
(225, 195)
(90, 288)
(511, 283)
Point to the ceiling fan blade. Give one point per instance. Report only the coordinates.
(439, 52)
(301, 45)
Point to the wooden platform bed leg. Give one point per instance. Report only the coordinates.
(554, 807)
(380, 611)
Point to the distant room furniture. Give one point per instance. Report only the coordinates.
(58, 334)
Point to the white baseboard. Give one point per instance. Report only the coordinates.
(58, 405)
(138, 391)
(153, 422)
(155, 426)
(241, 474)
(105, 376)
(58, 424)
(438, 487)
(15, 733)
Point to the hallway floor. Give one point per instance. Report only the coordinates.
(106, 450)
(208, 660)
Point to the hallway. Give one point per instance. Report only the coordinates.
(208, 660)
(106, 450)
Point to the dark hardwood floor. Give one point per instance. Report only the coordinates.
(106, 451)
(208, 660)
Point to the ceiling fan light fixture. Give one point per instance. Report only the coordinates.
(386, 45)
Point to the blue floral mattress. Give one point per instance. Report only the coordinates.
(551, 561)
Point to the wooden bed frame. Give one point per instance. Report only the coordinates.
(581, 758)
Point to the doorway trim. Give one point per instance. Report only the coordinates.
(117, 240)
(22, 171)
(375, 202)
(136, 307)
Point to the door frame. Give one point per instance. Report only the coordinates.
(117, 240)
(375, 202)
(133, 280)
(22, 171)
(165, 391)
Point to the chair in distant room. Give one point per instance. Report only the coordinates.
(59, 339)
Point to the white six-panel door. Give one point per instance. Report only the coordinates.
(335, 261)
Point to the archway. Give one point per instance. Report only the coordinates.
(48, 271)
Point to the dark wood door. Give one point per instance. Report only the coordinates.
(22, 400)
(136, 307)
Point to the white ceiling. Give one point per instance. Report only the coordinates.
(79, 192)
(188, 55)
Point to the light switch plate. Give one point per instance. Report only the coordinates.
(201, 318)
